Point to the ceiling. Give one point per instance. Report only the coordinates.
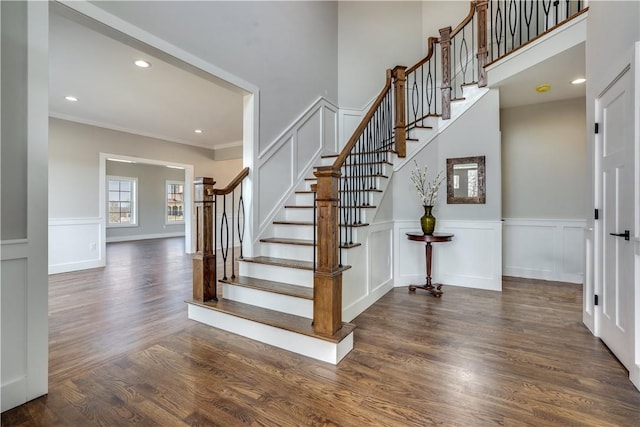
(164, 101)
(169, 101)
(557, 71)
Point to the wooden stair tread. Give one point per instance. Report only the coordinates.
(270, 286)
(277, 319)
(359, 176)
(458, 99)
(310, 223)
(302, 242)
(284, 262)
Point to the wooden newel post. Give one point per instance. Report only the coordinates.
(400, 92)
(445, 45)
(327, 280)
(481, 11)
(204, 260)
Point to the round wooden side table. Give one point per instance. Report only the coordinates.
(433, 288)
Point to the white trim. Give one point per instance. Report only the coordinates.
(114, 239)
(188, 194)
(14, 249)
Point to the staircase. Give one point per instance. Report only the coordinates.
(290, 295)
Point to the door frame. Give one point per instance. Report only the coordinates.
(594, 245)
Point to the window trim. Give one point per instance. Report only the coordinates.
(134, 201)
(166, 206)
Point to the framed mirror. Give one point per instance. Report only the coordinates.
(466, 180)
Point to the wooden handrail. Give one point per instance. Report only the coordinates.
(363, 125)
(431, 41)
(233, 184)
(465, 21)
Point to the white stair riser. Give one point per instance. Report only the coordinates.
(304, 232)
(304, 199)
(284, 303)
(286, 251)
(293, 276)
(377, 183)
(306, 214)
(301, 344)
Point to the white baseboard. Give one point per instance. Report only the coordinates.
(115, 239)
(13, 393)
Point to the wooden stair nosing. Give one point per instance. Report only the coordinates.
(283, 262)
(303, 242)
(340, 207)
(304, 292)
(277, 319)
(310, 223)
(458, 99)
(369, 190)
(359, 176)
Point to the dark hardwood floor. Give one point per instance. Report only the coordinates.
(123, 352)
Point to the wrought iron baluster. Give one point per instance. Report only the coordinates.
(233, 238)
(224, 237)
(241, 222)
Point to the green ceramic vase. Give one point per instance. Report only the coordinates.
(428, 221)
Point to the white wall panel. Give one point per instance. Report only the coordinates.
(544, 249)
(14, 331)
(274, 175)
(75, 244)
(308, 141)
(472, 259)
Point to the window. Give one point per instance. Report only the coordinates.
(175, 202)
(121, 201)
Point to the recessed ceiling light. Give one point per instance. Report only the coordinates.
(71, 98)
(198, 131)
(578, 81)
(174, 167)
(543, 88)
(142, 63)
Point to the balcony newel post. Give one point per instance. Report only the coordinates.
(399, 89)
(445, 46)
(204, 259)
(483, 51)
(327, 281)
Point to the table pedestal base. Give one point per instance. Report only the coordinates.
(433, 290)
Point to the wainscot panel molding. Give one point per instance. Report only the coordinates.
(472, 259)
(547, 249)
(291, 157)
(371, 261)
(75, 244)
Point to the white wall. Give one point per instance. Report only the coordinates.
(607, 53)
(374, 36)
(544, 153)
(474, 257)
(151, 201)
(440, 14)
(286, 49)
(76, 225)
(23, 295)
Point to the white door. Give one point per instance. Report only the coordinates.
(614, 144)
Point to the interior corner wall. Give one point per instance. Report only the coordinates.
(75, 221)
(544, 154)
(287, 49)
(372, 37)
(151, 201)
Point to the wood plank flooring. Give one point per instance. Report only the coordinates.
(122, 352)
